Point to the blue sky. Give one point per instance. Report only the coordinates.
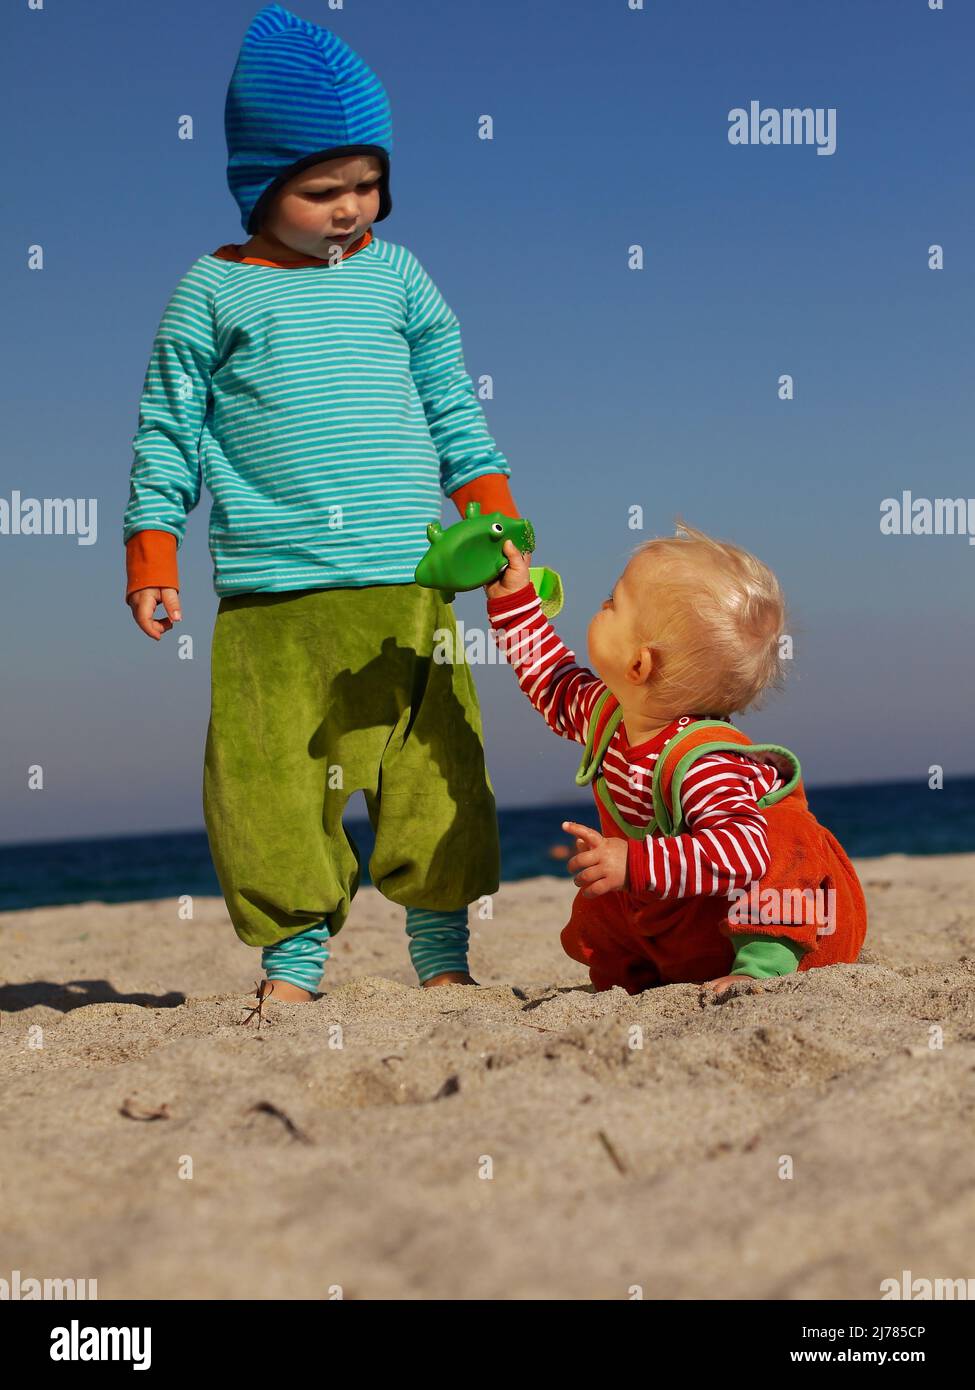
(613, 387)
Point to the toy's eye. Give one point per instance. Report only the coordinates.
(497, 528)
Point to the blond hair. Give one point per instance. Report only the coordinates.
(716, 635)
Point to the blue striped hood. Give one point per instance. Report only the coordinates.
(299, 94)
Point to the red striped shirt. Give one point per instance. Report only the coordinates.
(726, 844)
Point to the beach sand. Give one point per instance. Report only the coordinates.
(504, 1143)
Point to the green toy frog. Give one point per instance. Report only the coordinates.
(470, 554)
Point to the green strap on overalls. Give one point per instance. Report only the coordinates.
(663, 820)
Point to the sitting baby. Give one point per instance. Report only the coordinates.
(709, 865)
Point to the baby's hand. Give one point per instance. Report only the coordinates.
(602, 861)
(144, 603)
(515, 577)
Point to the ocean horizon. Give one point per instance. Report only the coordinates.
(869, 820)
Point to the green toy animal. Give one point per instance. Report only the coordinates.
(470, 554)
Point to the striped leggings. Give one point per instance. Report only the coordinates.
(438, 942)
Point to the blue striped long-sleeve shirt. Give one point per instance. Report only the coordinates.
(324, 408)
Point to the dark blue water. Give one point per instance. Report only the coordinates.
(881, 818)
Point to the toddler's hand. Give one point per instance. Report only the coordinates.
(515, 577)
(144, 603)
(602, 861)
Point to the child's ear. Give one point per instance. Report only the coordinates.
(641, 667)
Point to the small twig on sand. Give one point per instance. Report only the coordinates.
(126, 1109)
(262, 994)
(264, 1107)
(618, 1163)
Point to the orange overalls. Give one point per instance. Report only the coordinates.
(637, 942)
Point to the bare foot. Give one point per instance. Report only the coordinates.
(290, 994)
(724, 983)
(281, 991)
(449, 977)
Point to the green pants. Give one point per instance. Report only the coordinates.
(317, 693)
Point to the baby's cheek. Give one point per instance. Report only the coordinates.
(598, 630)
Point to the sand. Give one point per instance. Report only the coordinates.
(504, 1143)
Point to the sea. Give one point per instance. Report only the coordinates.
(868, 820)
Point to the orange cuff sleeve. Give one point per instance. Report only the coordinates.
(491, 490)
(150, 561)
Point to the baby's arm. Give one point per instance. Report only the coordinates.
(150, 560)
(166, 476)
(563, 692)
(491, 491)
(454, 415)
(726, 844)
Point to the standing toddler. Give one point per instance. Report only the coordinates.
(312, 378)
